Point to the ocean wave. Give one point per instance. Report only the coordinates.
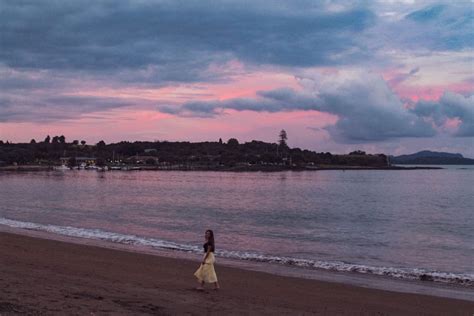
(466, 279)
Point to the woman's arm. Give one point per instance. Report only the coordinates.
(207, 254)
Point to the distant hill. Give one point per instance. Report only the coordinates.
(163, 155)
(427, 157)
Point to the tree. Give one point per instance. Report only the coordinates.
(233, 142)
(55, 140)
(357, 153)
(220, 141)
(83, 142)
(33, 141)
(282, 146)
(75, 142)
(62, 139)
(283, 138)
(47, 139)
(101, 145)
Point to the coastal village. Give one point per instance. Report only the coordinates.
(56, 153)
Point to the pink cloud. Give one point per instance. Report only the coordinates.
(452, 123)
(400, 84)
(416, 93)
(249, 84)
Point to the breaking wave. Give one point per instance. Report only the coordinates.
(466, 279)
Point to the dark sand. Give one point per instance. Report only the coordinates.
(39, 276)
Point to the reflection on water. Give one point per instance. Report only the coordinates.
(420, 218)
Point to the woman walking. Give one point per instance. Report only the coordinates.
(206, 272)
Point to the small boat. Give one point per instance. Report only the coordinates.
(62, 168)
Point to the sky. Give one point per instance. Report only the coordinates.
(393, 77)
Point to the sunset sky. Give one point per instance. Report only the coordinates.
(382, 76)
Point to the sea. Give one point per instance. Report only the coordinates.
(414, 226)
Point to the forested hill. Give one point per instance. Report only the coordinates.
(427, 157)
(202, 154)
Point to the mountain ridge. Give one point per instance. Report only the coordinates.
(427, 157)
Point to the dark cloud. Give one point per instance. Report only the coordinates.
(49, 96)
(19, 81)
(367, 108)
(176, 37)
(439, 27)
(45, 109)
(179, 37)
(399, 78)
(449, 106)
(447, 28)
(176, 41)
(50, 48)
(427, 14)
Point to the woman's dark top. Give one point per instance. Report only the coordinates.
(207, 245)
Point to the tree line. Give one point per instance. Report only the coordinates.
(207, 154)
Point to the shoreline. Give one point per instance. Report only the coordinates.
(54, 277)
(38, 168)
(368, 280)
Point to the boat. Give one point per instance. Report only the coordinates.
(62, 168)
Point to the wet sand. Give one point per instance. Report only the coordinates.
(48, 277)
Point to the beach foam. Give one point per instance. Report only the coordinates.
(466, 279)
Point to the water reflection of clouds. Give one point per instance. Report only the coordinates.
(383, 216)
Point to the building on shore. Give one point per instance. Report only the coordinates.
(87, 161)
(142, 160)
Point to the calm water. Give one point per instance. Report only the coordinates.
(397, 223)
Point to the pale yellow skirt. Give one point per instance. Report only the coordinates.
(206, 271)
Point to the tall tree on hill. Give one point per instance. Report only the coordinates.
(47, 139)
(283, 138)
(282, 145)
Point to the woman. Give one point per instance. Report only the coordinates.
(206, 272)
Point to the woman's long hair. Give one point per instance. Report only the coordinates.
(211, 238)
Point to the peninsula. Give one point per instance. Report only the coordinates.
(427, 157)
(231, 155)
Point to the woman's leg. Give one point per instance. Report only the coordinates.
(201, 285)
(216, 285)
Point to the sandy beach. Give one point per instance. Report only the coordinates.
(48, 277)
